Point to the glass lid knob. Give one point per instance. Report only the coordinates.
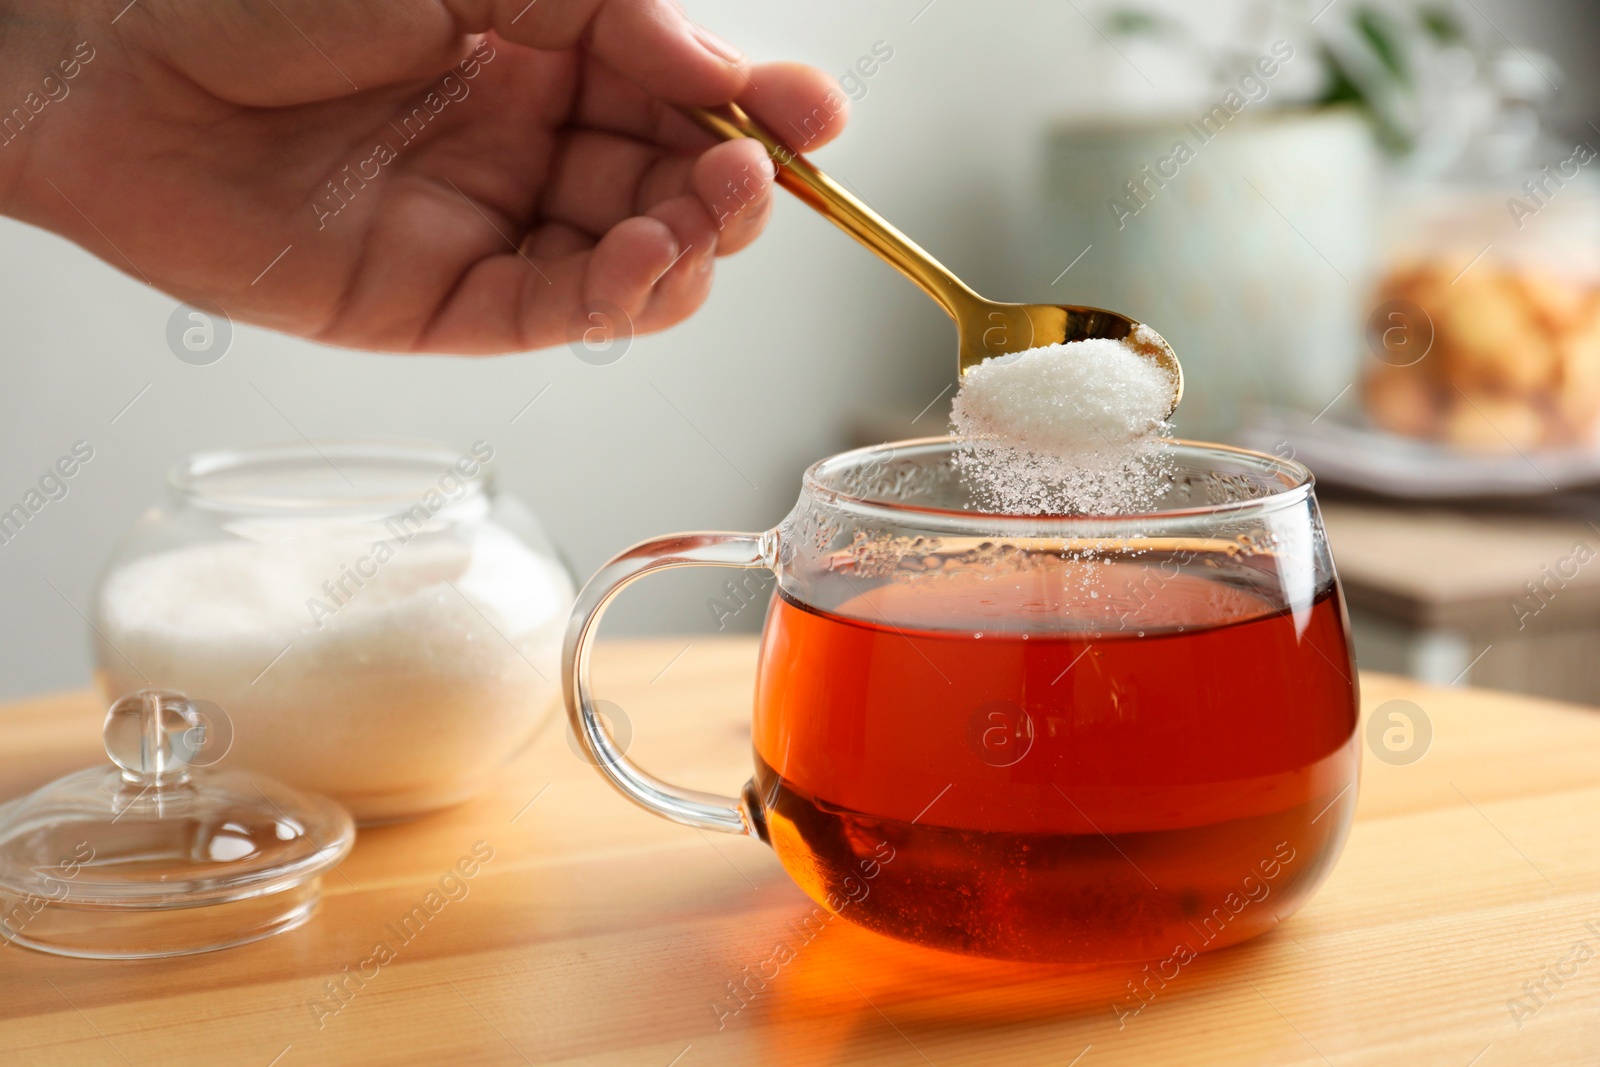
(153, 735)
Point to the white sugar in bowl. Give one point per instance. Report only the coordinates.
(371, 621)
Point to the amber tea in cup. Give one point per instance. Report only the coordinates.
(1067, 739)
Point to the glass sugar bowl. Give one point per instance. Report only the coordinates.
(370, 621)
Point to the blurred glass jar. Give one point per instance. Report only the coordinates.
(370, 621)
(1266, 315)
(1486, 325)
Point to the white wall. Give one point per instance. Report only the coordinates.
(803, 330)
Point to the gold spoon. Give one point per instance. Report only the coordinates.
(986, 328)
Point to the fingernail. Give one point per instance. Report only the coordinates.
(670, 263)
(722, 49)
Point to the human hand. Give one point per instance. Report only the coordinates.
(421, 176)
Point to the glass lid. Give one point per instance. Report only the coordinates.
(162, 854)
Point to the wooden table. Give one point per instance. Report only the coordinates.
(600, 935)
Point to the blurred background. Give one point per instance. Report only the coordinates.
(1378, 249)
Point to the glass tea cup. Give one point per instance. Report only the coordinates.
(1064, 739)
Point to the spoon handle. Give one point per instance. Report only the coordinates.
(828, 198)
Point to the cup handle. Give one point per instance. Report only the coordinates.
(705, 811)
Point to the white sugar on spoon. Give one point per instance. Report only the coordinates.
(1065, 400)
(1066, 428)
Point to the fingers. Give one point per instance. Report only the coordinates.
(650, 42)
(631, 152)
(795, 101)
(472, 295)
(625, 266)
(800, 104)
(735, 183)
(600, 179)
(297, 51)
(555, 240)
(633, 204)
(657, 268)
(682, 289)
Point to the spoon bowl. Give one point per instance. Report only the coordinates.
(985, 328)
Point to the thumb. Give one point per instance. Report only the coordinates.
(652, 43)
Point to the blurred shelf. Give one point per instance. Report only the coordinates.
(1506, 600)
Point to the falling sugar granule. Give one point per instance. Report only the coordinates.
(1068, 429)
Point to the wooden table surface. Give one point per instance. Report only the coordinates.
(598, 934)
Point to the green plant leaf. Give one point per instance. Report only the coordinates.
(1383, 35)
(1129, 22)
(1441, 25)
